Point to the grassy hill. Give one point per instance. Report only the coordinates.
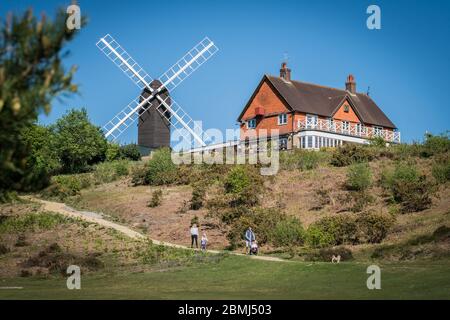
(371, 205)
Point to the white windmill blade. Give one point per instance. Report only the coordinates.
(182, 119)
(183, 68)
(177, 116)
(117, 54)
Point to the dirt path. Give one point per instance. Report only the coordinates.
(99, 219)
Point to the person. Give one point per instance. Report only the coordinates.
(194, 235)
(249, 238)
(254, 248)
(204, 241)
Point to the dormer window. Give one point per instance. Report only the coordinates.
(282, 119)
(251, 124)
(346, 108)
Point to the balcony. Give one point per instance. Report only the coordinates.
(349, 129)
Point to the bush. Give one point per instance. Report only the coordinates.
(198, 196)
(351, 153)
(408, 188)
(156, 198)
(160, 170)
(288, 232)
(359, 176)
(244, 184)
(316, 237)
(373, 227)
(130, 152)
(434, 145)
(78, 143)
(342, 229)
(441, 169)
(112, 151)
(349, 229)
(31, 221)
(43, 160)
(300, 159)
(110, 171)
(262, 220)
(64, 186)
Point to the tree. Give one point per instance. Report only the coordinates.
(43, 160)
(31, 75)
(78, 142)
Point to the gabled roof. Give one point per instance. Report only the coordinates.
(324, 101)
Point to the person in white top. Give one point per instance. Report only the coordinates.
(194, 235)
(204, 241)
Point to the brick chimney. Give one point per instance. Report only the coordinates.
(350, 85)
(285, 72)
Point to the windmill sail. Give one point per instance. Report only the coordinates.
(170, 79)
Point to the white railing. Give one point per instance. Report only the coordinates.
(348, 128)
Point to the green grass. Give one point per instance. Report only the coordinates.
(243, 278)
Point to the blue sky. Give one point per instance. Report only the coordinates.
(406, 63)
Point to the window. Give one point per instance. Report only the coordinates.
(282, 118)
(345, 126)
(251, 124)
(311, 121)
(331, 125)
(346, 108)
(303, 142)
(359, 129)
(283, 143)
(310, 142)
(378, 131)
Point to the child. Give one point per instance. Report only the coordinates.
(254, 248)
(204, 241)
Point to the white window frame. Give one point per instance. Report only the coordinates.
(378, 131)
(312, 121)
(345, 126)
(282, 119)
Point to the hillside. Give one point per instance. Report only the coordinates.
(388, 206)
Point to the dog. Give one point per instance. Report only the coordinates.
(336, 259)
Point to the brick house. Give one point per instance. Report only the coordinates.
(312, 116)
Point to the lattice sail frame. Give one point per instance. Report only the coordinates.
(176, 74)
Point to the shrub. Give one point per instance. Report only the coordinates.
(349, 229)
(160, 170)
(441, 169)
(112, 151)
(351, 153)
(64, 186)
(110, 171)
(300, 159)
(78, 143)
(360, 200)
(408, 188)
(156, 198)
(262, 221)
(316, 237)
(288, 232)
(359, 176)
(3, 249)
(244, 184)
(130, 152)
(198, 196)
(373, 227)
(435, 145)
(31, 221)
(341, 228)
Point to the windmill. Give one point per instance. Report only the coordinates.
(155, 93)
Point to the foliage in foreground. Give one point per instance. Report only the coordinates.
(30, 49)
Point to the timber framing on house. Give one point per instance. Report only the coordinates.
(312, 116)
